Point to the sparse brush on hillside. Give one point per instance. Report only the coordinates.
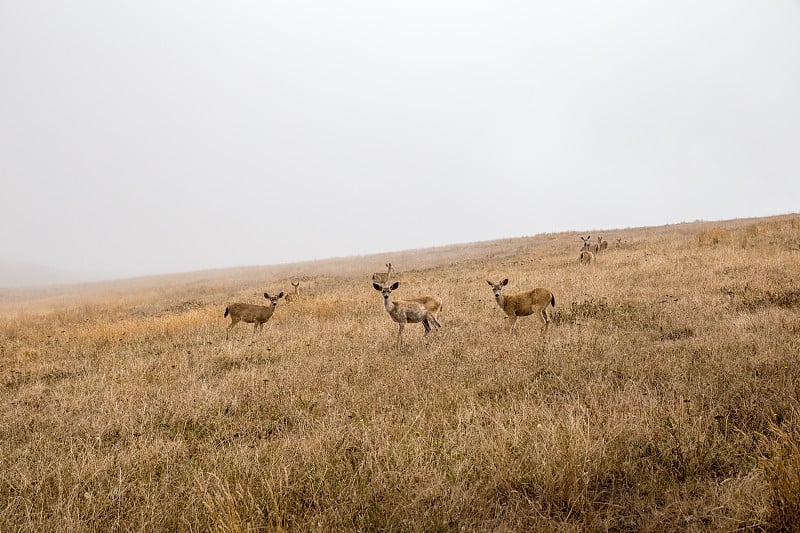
(664, 396)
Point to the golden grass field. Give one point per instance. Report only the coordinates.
(663, 398)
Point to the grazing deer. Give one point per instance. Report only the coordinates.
(292, 296)
(523, 303)
(409, 311)
(586, 256)
(383, 277)
(431, 303)
(251, 314)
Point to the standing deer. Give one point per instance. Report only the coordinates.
(409, 311)
(586, 256)
(601, 245)
(251, 314)
(292, 296)
(383, 277)
(523, 303)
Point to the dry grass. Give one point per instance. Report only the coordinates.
(664, 397)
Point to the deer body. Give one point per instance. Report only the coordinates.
(292, 296)
(431, 303)
(257, 315)
(523, 303)
(383, 277)
(409, 311)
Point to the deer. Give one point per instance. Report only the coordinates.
(409, 311)
(586, 256)
(383, 277)
(523, 303)
(292, 296)
(431, 303)
(257, 315)
(601, 245)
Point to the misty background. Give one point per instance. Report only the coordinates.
(168, 136)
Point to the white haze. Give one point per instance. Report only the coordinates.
(165, 136)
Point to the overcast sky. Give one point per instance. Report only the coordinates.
(167, 136)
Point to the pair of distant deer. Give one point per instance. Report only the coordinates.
(425, 309)
(589, 251)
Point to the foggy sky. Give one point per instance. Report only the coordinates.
(166, 136)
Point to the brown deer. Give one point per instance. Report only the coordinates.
(409, 311)
(257, 315)
(601, 245)
(292, 296)
(586, 256)
(383, 277)
(523, 303)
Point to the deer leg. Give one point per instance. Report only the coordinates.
(513, 323)
(434, 322)
(227, 331)
(426, 325)
(400, 334)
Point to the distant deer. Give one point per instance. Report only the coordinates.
(586, 256)
(523, 303)
(601, 245)
(257, 315)
(383, 277)
(618, 243)
(292, 296)
(409, 311)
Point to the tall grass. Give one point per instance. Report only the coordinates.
(664, 396)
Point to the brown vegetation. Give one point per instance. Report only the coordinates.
(664, 397)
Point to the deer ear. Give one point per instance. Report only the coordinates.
(395, 285)
(490, 283)
(280, 295)
(377, 287)
(266, 295)
(504, 282)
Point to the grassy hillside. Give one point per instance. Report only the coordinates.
(663, 397)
